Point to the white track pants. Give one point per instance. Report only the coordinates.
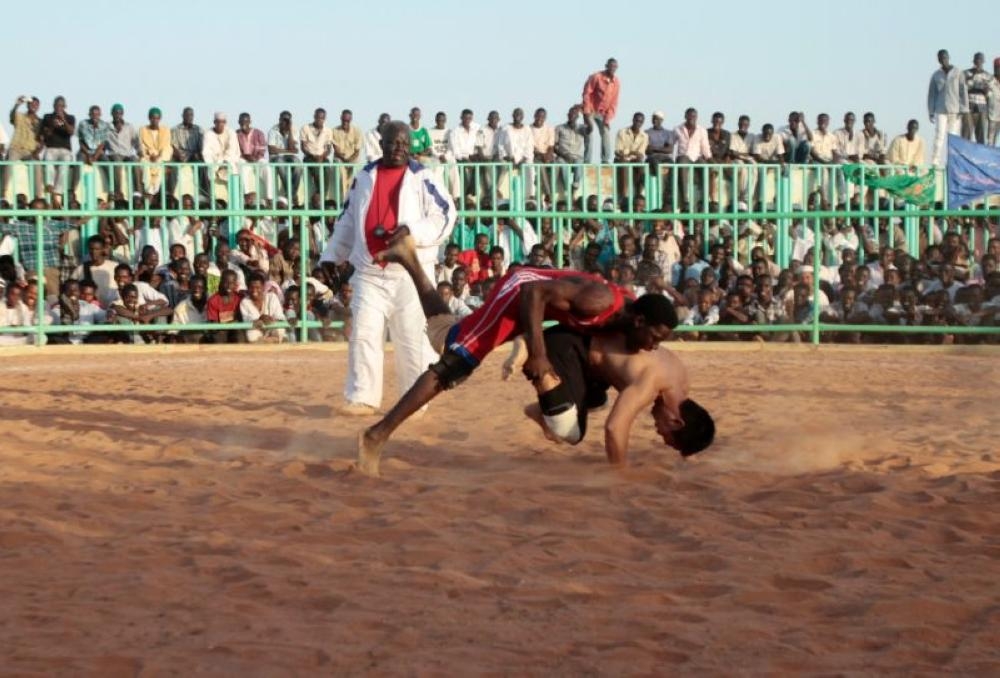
(947, 123)
(382, 300)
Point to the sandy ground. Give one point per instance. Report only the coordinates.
(189, 513)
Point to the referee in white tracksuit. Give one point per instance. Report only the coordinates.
(387, 193)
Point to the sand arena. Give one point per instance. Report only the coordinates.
(192, 511)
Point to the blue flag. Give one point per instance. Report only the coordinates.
(973, 171)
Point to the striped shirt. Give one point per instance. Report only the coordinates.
(28, 247)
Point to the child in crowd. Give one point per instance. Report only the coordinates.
(262, 309)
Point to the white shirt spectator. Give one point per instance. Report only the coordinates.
(458, 307)
(250, 313)
(691, 146)
(443, 272)
(695, 317)
(802, 240)
(440, 143)
(241, 280)
(768, 150)
(103, 276)
(150, 237)
(515, 145)
(824, 301)
(185, 313)
(373, 145)
(486, 142)
(147, 295)
(177, 233)
(741, 145)
(462, 142)
(877, 273)
(874, 143)
(220, 148)
(315, 141)
(14, 317)
(505, 240)
(823, 145)
(544, 138)
(848, 145)
(241, 258)
(842, 240)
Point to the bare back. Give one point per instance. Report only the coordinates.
(650, 373)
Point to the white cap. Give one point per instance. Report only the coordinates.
(219, 115)
(659, 114)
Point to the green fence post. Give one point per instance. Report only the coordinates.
(817, 248)
(784, 200)
(40, 270)
(234, 195)
(558, 227)
(516, 205)
(89, 203)
(911, 226)
(303, 281)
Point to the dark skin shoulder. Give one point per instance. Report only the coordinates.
(580, 297)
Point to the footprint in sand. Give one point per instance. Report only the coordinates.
(324, 603)
(800, 584)
(702, 563)
(234, 574)
(703, 591)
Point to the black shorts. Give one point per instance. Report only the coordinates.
(568, 353)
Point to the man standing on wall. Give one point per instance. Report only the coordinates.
(391, 192)
(947, 102)
(600, 102)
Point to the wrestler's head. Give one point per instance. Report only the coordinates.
(689, 430)
(653, 318)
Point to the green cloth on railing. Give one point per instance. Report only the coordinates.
(917, 189)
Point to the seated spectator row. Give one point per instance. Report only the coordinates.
(954, 281)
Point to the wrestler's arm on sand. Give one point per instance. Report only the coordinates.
(578, 297)
(518, 354)
(632, 400)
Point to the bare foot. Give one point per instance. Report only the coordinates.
(369, 453)
(401, 248)
(533, 412)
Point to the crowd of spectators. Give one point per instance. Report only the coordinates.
(181, 271)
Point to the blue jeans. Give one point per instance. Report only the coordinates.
(607, 143)
(798, 153)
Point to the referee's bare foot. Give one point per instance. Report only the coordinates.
(402, 249)
(369, 454)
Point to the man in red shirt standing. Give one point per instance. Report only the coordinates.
(600, 102)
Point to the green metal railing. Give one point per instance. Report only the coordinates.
(486, 193)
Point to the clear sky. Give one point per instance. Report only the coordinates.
(762, 59)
